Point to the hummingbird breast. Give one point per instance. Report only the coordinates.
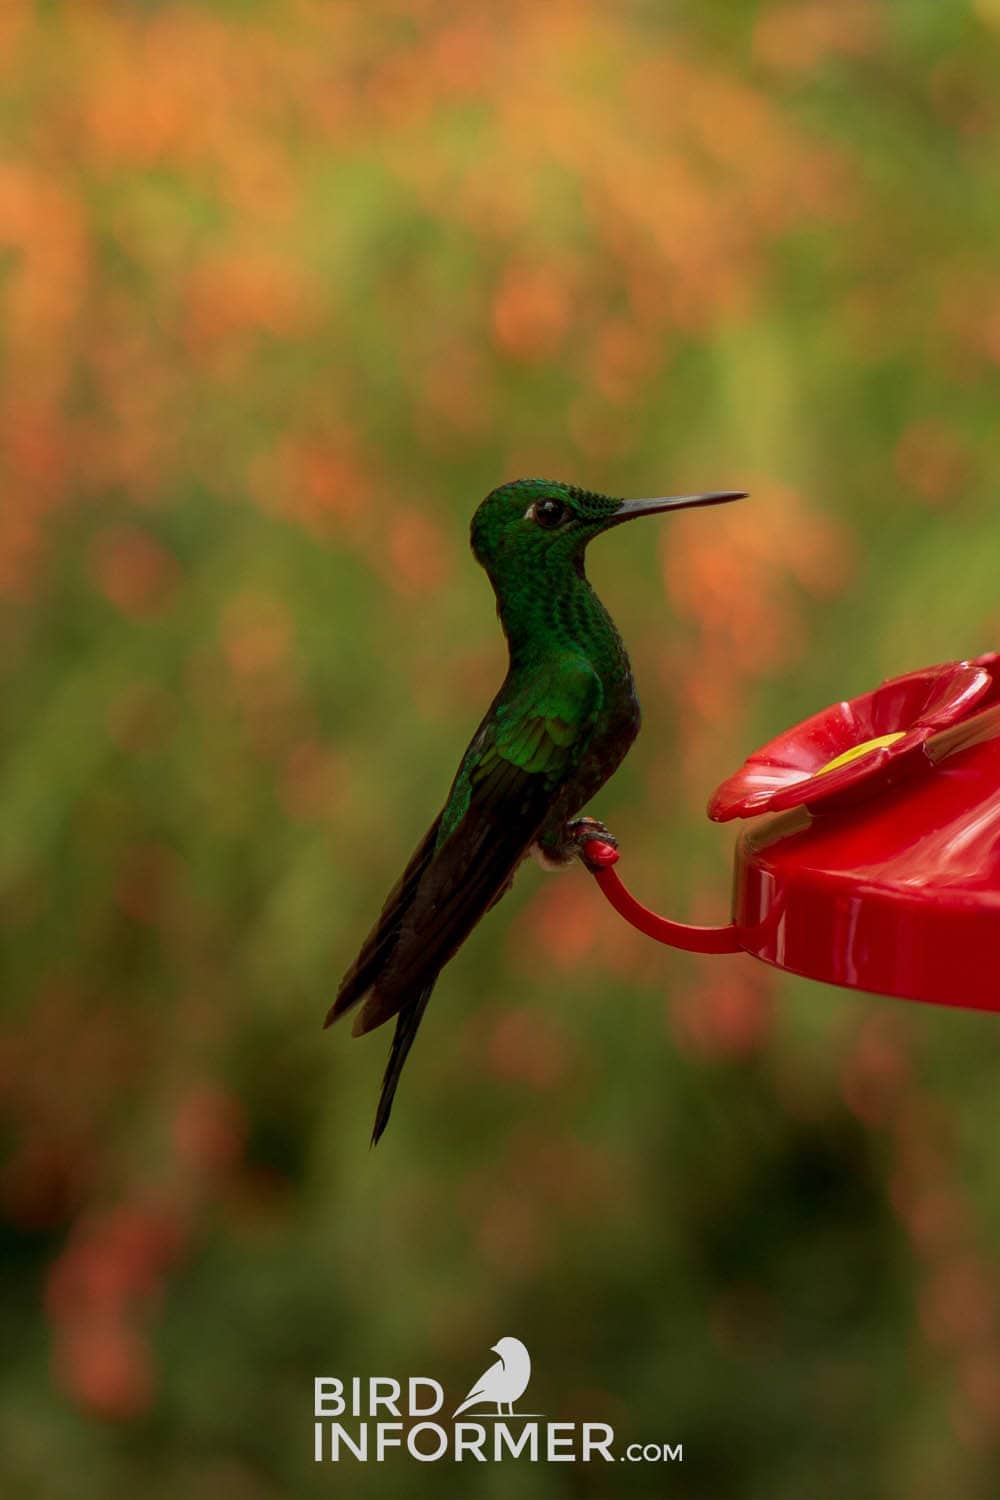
(609, 743)
(562, 615)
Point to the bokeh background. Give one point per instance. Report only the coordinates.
(285, 288)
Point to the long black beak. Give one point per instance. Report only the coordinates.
(629, 509)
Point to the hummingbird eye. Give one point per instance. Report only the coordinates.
(550, 513)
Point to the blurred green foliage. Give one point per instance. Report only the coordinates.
(285, 288)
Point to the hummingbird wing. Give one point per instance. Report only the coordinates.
(502, 795)
(379, 943)
(531, 738)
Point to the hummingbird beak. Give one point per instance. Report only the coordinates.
(629, 509)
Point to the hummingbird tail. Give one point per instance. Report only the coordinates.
(407, 1024)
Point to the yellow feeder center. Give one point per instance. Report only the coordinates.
(856, 751)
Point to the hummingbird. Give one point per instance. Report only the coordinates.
(560, 725)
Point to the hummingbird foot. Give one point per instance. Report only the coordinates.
(591, 842)
(558, 852)
(580, 831)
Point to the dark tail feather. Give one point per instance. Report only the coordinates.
(407, 1023)
(381, 941)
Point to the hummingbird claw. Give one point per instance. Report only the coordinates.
(585, 839)
(589, 828)
(583, 831)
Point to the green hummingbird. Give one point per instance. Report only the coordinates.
(560, 725)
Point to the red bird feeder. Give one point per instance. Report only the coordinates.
(879, 867)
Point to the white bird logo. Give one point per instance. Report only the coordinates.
(505, 1381)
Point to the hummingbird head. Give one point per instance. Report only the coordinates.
(541, 525)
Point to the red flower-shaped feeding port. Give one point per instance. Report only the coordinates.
(855, 748)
